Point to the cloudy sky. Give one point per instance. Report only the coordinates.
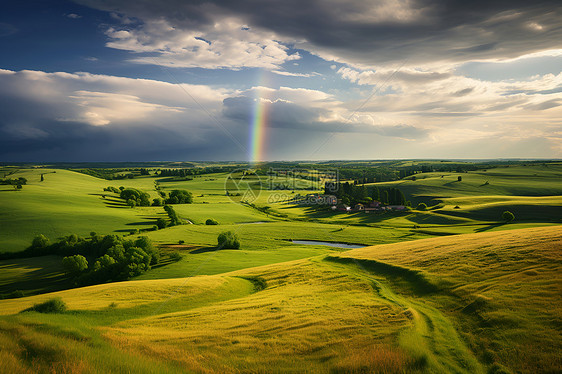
(140, 80)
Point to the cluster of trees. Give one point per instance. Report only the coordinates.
(351, 194)
(135, 197)
(98, 258)
(17, 183)
(179, 197)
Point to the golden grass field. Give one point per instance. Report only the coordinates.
(474, 303)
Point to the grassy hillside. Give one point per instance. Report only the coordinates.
(64, 203)
(502, 291)
(469, 304)
(535, 180)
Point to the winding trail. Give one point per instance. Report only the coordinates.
(432, 338)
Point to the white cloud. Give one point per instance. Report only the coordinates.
(288, 74)
(224, 44)
(103, 108)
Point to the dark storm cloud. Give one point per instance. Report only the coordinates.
(42, 118)
(376, 32)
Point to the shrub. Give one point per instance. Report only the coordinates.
(459, 178)
(507, 216)
(228, 240)
(211, 221)
(40, 241)
(16, 294)
(421, 206)
(75, 264)
(55, 305)
(181, 241)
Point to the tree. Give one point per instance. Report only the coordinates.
(180, 197)
(74, 265)
(228, 240)
(40, 241)
(138, 197)
(211, 221)
(384, 197)
(459, 179)
(375, 193)
(161, 223)
(42, 178)
(507, 216)
(421, 206)
(104, 262)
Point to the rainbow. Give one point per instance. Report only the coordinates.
(258, 127)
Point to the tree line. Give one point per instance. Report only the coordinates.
(351, 194)
(183, 173)
(17, 183)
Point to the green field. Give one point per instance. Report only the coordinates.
(449, 289)
(532, 193)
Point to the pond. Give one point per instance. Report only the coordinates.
(330, 244)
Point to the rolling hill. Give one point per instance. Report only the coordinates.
(486, 302)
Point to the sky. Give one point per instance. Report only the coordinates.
(250, 80)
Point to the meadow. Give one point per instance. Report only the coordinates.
(451, 288)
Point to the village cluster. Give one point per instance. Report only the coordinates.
(337, 205)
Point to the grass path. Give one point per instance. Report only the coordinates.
(431, 338)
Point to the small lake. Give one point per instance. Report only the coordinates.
(330, 244)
